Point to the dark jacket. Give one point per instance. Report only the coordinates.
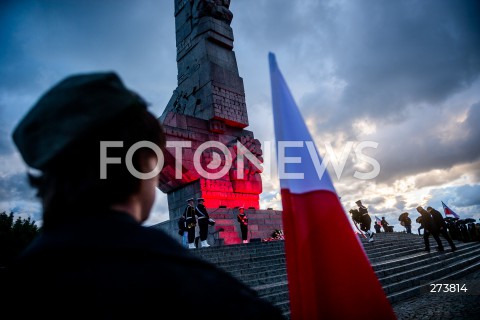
(363, 210)
(243, 219)
(438, 218)
(364, 216)
(107, 266)
(407, 222)
(385, 224)
(428, 223)
(189, 215)
(201, 212)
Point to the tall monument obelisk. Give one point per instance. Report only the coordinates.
(208, 105)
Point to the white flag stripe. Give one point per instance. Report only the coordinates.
(291, 127)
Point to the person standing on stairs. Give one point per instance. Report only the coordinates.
(406, 222)
(366, 223)
(203, 221)
(377, 228)
(385, 225)
(419, 220)
(442, 225)
(243, 219)
(191, 223)
(429, 227)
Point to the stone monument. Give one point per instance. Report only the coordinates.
(208, 105)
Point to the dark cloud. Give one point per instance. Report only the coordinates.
(375, 210)
(441, 177)
(458, 196)
(401, 52)
(376, 200)
(400, 202)
(15, 187)
(45, 41)
(468, 195)
(5, 141)
(423, 148)
(388, 53)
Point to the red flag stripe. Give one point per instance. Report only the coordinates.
(329, 274)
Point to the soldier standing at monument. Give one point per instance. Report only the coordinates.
(243, 219)
(93, 255)
(191, 222)
(203, 221)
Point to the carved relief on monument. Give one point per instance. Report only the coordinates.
(188, 72)
(244, 174)
(217, 9)
(229, 106)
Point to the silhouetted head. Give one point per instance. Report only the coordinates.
(421, 210)
(62, 136)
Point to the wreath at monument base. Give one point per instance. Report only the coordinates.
(276, 235)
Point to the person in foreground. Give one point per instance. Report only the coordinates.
(94, 259)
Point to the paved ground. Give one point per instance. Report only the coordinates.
(444, 306)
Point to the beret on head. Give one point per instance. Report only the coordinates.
(69, 110)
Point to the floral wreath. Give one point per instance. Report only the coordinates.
(276, 235)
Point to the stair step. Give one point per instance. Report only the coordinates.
(399, 261)
(416, 290)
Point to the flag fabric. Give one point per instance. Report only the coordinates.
(449, 212)
(378, 221)
(329, 275)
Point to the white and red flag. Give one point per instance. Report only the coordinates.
(329, 275)
(449, 212)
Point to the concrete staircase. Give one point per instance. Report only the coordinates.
(399, 260)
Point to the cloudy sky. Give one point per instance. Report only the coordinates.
(404, 74)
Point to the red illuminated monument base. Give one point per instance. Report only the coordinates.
(226, 231)
(229, 190)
